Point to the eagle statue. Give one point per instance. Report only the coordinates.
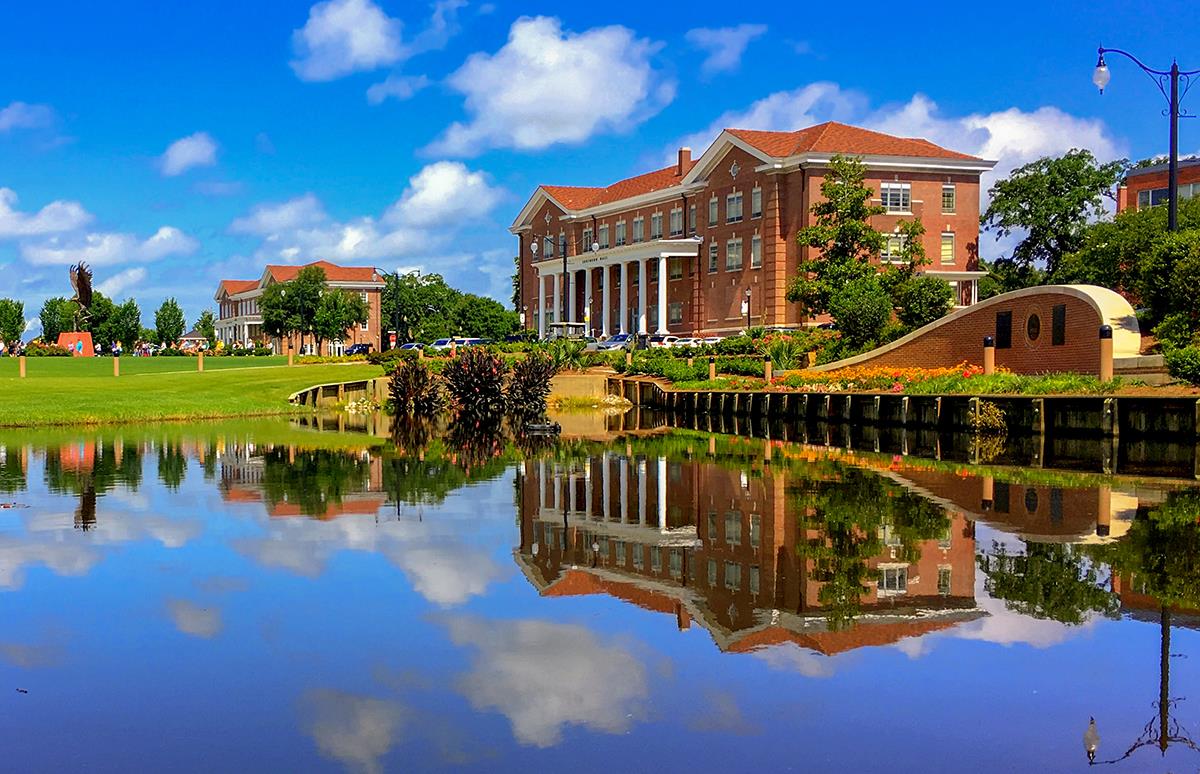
(81, 281)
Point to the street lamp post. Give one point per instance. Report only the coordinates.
(1161, 79)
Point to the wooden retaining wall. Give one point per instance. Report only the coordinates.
(1058, 415)
(341, 393)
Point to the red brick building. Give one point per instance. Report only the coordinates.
(1147, 187)
(704, 236)
(239, 320)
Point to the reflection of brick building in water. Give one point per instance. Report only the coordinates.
(243, 480)
(720, 546)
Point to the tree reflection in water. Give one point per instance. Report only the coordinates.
(1055, 581)
(313, 481)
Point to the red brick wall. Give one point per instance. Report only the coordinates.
(962, 339)
(1128, 194)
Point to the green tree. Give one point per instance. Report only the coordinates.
(169, 323)
(481, 317)
(12, 321)
(1172, 259)
(206, 326)
(1050, 202)
(1048, 580)
(57, 316)
(338, 311)
(921, 300)
(99, 322)
(304, 297)
(419, 307)
(862, 307)
(842, 234)
(279, 318)
(123, 324)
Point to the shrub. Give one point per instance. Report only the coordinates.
(1184, 363)
(736, 345)
(263, 351)
(862, 308)
(39, 349)
(1174, 332)
(567, 355)
(530, 386)
(989, 419)
(786, 352)
(741, 366)
(172, 352)
(921, 300)
(415, 390)
(475, 380)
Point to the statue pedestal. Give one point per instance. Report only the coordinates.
(78, 343)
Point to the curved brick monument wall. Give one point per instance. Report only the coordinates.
(1037, 330)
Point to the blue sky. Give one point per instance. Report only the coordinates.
(174, 144)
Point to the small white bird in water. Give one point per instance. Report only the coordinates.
(1091, 740)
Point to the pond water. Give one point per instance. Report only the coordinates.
(269, 596)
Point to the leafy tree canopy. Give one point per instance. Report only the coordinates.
(206, 326)
(12, 321)
(57, 316)
(169, 322)
(1050, 202)
(337, 311)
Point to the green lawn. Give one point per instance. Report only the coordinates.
(61, 391)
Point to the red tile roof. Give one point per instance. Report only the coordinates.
(832, 137)
(236, 286)
(829, 137)
(333, 272)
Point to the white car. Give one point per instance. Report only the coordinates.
(688, 342)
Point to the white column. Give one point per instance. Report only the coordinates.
(587, 488)
(571, 292)
(662, 294)
(662, 494)
(624, 325)
(624, 498)
(558, 485)
(641, 484)
(606, 299)
(557, 296)
(606, 497)
(541, 307)
(541, 484)
(642, 293)
(975, 291)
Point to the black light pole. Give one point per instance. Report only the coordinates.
(1161, 78)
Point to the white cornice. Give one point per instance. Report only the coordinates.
(684, 247)
(531, 207)
(875, 162)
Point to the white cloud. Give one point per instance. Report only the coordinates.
(22, 115)
(441, 200)
(342, 37)
(789, 657)
(724, 45)
(195, 150)
(399, 87)
(55, 217)
(443, 193)
(118, 283)
(106, 249)
(547, 86)
(356, 730)
(194, 620)
(530, 671)
(272, 219)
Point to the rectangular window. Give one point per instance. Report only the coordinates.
(676, 563)
(754, 581)
(712, 573)
(655, 559)
(1003, 330)
(654, 271)
(756, 252)
(948, 248)
(733, 528)
(733, 255)
(656, 226)
(712, 211)
(713, 250)
(733, 576)
(692, 219)
(949, 199)
(755, 530)
(733, 208)
(676, 266)
(944, 581)
(675, 313)
(621, 552)
(893, 580)
(639, 557)
(677, 222)
(587, 239)
(562, 244)
(1001, 494)
(756, 203)
(547, 248)
(893, 248)
(896, 197)
(1058, 328)
(603, 240)
(620, 240)
(639, 229)
(712, 526)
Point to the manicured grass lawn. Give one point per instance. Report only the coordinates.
(62, 391)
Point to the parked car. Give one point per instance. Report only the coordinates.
(712, 339)
(412, 345)
(662, 340)
(441, 344)
(616, 341)
(688, 341)
(358, 349)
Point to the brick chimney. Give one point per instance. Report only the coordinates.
(684, 163)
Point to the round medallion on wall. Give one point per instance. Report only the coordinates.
(1033, 327)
